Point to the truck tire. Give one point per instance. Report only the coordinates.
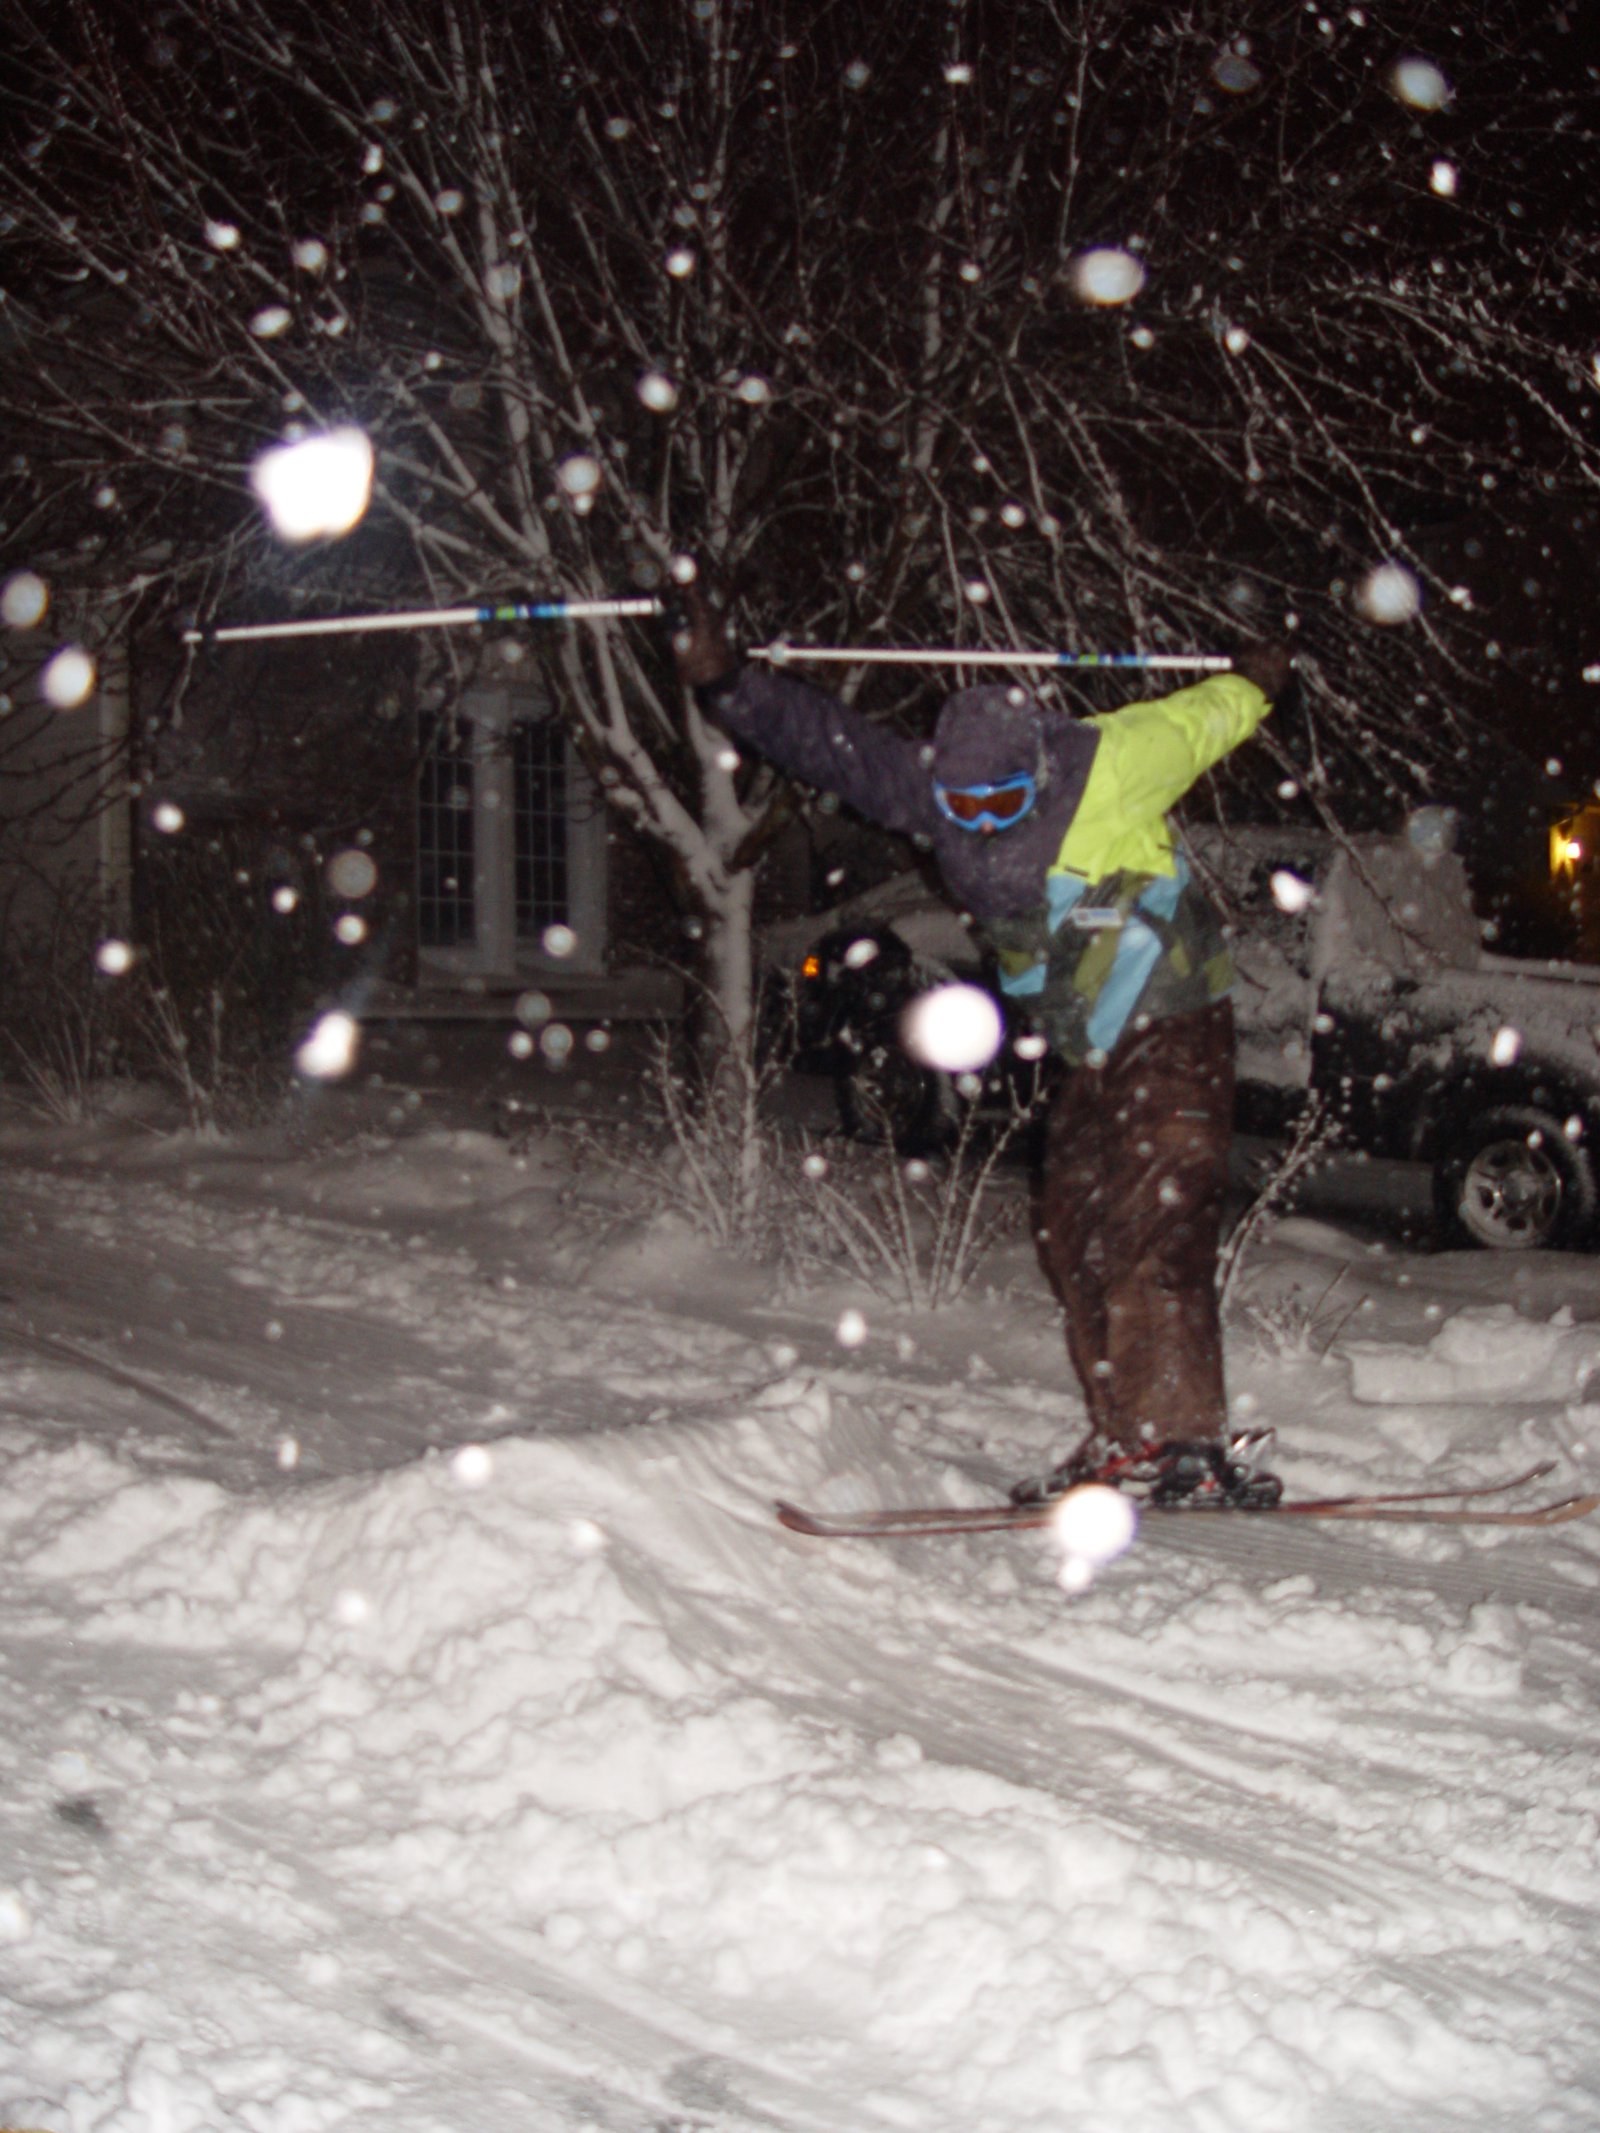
(1513, 1180)
(886, 1098)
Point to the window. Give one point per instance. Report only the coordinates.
(446, 861)
(510, 842)
(539, 790)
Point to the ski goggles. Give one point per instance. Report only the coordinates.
(987, 807)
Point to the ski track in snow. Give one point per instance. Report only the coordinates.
(555, 1785)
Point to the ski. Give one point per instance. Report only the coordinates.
(1454, 1507)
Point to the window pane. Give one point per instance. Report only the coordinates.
(539, 763)
(446, 907)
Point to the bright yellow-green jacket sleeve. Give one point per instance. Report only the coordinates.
(1149, 755)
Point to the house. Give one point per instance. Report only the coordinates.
(305, 825)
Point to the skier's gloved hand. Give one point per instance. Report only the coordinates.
(1268, 664)
(700, 641)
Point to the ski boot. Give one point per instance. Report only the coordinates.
(1191, 1472)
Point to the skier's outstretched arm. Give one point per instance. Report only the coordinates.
(802, 729)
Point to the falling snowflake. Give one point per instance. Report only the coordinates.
(1419, 83)
(329, 1051)
(658, 392)
(1106, 275)
(579, 474)
(317, 486)
(24, 599)
(1389, 594)
(68, 679)
(955, 1028)
(1290, 893)
(352, 873)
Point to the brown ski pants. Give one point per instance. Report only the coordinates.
(1130, 1206)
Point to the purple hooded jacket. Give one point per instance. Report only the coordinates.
(983, 736)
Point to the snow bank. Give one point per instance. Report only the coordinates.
(1485, 1354)
(577, 1703)
(545, 1781)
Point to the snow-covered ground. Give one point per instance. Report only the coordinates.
(414, 1719)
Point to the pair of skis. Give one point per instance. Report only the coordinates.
(1432, 1507)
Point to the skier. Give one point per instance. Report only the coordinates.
(1052, 833)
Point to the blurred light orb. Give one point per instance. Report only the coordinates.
(555, 1041)
(520, 1045)
(472, 1466)
(349, 930)
(114, 958)
(270, 321)
(317, 487)
(559, 942)
(956, 1028)
(24, 599)
(1506, 1047)
(168, 817)
(68, 679)
(222, 236)
(851, 1330)
(1419, 83)
(753, 391)
(285, 898)
(532, 1009)
(1233, 72)
(310, 255)
(1389, 594)
(1094, 1524)
(329, 1052)
(1443, 178)
(1030, 1045)
(658, 392)
(1106, 275)
(680, 262)
(1236, 340)
(352, 873)
(683, 570)
(579, 474)
(1290, 893)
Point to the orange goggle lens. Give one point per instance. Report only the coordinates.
(972, 806)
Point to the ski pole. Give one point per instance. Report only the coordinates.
(782, 654)
(429, 618)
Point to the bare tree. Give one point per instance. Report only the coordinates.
(799, 287)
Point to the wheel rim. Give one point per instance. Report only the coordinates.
(1511, 1195)
(890, 1088)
